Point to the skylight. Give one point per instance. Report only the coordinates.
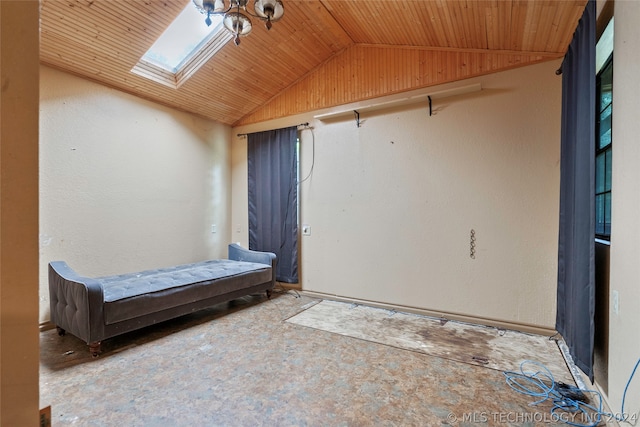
(186, 35)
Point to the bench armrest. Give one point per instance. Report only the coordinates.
(76, 302)
(238, 253)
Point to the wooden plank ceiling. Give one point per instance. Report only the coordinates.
(321, 54)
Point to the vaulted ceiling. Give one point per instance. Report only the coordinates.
(321, 54)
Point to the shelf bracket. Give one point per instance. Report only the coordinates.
(357, 116)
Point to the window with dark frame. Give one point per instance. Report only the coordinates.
(604, 103)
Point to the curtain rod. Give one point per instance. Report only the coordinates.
(306, 125)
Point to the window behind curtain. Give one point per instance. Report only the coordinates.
(604, 88)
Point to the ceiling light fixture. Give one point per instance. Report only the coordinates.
(236, 22)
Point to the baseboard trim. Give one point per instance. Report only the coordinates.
(289, 286)
(46, 325)
(521, 327)
(610, 421)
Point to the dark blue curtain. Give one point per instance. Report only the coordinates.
(576, 247)
(273, 198)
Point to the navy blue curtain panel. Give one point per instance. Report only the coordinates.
(273, 198)
(576, 247)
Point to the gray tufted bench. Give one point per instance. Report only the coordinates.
(94, 309)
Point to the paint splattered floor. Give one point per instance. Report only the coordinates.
(243, 364)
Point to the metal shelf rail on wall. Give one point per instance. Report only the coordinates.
(415, 99)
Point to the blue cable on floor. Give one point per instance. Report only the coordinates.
(624, 395)
(567, 399)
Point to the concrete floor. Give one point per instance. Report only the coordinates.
(243, 364)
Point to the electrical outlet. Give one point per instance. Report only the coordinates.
(616, 302)
(306, 230)
(214, 229)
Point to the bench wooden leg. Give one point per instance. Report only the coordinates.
(268, 293)
(94, 348)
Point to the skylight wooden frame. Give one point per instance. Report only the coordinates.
(158, 74)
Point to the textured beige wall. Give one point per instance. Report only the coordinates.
(391, 204)
(19, 355)
(126, 184)
(624, 334)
